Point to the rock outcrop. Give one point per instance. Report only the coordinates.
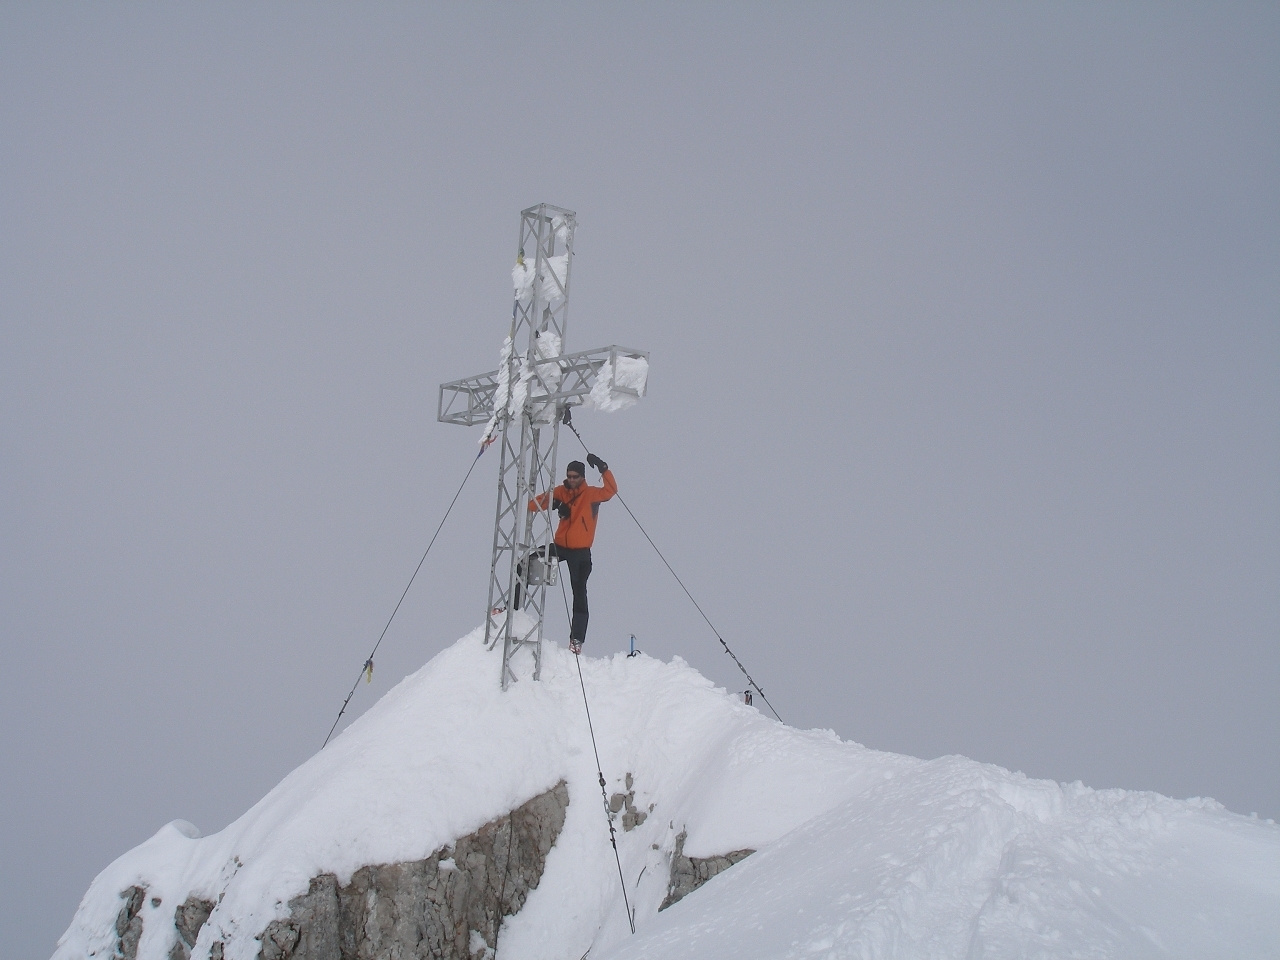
(449, 905)
(129, 923)
(625, 803)
(188, 919)
(689, 873)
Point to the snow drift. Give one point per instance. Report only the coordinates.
(860, 853)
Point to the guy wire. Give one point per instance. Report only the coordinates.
(368, 664)
(569, 423)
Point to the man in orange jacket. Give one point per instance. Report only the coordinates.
(578, 504)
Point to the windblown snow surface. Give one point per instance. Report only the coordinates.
(860, 853)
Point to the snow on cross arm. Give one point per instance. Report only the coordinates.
(619, 384)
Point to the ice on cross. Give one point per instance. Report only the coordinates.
(619, 383)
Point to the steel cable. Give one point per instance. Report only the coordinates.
(368, 664)
(604, 795)
(600, 773)
(569, 423)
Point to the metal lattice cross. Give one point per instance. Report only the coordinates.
(523, 402)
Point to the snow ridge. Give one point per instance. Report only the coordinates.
(860, 853)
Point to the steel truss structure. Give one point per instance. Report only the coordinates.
(530, 396)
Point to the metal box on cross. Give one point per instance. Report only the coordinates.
(523, 403)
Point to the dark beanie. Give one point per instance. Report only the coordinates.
(576, 466)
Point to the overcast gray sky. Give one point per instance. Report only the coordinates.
(964, 414)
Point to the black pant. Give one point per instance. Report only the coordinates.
(578, 562)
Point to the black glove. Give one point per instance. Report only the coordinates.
(562, 508)
(596, 462)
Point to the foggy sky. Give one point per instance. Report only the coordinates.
(963, 421)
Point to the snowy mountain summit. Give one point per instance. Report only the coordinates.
(455, 820)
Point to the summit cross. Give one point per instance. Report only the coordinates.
(523, 403)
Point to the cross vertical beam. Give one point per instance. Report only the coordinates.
(529, 434)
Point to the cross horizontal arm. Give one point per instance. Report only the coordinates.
(470, 401)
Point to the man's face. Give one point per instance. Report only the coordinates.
(571, 480)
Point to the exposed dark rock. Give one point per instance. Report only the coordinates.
(129, 923)
(625, 803)
(449, 905)
(689, 873)
(280, 940)
(188, 919)
(632, 818)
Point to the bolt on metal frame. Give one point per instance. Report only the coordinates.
(527, 439)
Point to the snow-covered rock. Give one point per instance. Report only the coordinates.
(859, 853)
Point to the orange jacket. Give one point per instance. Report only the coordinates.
(579, 530)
